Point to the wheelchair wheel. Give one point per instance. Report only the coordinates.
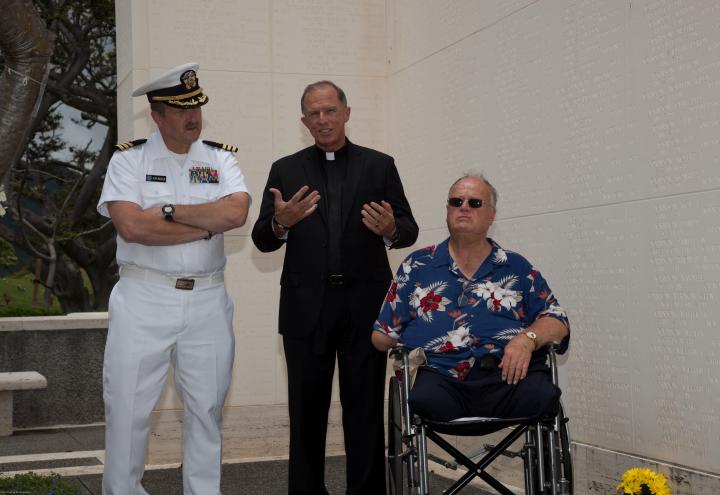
(395, 480)
(563, 477)
(565, 456)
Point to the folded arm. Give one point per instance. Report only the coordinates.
(191, 222)
(149, 227)
(228, 212)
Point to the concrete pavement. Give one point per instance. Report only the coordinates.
(77, 453)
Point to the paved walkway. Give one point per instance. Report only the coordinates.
(77, 453)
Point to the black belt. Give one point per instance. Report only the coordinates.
(488, 362)
(338, 279)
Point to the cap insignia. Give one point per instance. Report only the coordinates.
(189, 79)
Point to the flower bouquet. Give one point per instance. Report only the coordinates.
(643, 481)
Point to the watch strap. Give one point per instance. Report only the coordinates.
(533, 338)
(279, 225)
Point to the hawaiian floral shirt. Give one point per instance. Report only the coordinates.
(457, 320)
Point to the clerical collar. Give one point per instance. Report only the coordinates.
(332, 155)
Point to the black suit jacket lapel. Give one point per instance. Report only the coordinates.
(355, 169)
(315, 179)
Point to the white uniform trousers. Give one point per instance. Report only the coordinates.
(150, 326)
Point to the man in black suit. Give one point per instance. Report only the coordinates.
(336, 206)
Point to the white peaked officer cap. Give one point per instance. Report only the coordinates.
(178, 87)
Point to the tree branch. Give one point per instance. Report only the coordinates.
(94, 177)
(27, 47)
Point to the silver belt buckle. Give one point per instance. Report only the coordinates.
(185, 283)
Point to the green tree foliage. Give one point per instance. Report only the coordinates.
(53, 189)
(34, 484)
(8, 258)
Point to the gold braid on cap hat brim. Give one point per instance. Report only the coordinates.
(177, 97)
(187, 103)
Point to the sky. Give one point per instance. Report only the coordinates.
(78, 135)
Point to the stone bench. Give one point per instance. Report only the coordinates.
(9, 382)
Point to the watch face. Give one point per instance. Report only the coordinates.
(532, 335)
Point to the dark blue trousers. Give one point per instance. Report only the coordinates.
(484, 394)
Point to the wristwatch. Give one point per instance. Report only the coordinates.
(396, 235)
(169, 211)
(532, 336)
(279, 225)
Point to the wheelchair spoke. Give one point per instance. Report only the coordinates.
(565, 483)
(554, 474)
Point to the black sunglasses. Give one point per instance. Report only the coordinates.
(458, 202)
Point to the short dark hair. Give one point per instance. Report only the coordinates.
(317, 85)
(157, 106)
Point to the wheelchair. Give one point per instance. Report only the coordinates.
(545, 452)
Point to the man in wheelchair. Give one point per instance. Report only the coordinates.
(481, 314)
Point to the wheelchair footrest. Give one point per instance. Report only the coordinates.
(403, 455)
(443, 462)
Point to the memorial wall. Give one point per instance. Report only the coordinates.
(597, 121)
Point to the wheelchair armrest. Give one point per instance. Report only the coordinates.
(398, 351)
(552, 347)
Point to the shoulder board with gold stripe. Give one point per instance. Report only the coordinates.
(129, 144)
(226, 147)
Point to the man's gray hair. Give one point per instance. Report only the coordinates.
(318, 85)
(480, 177)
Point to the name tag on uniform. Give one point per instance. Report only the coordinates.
(155, 178)
(204, 175)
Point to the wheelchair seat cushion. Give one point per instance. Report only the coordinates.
(476, 426)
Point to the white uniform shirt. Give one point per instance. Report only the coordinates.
(148, 175)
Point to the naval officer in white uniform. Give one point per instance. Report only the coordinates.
(170, 198)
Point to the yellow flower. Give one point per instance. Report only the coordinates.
(634, 479)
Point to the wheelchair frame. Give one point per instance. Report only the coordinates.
(545, 452)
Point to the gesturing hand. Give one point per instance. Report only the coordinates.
(379, 218)
(298, 207)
